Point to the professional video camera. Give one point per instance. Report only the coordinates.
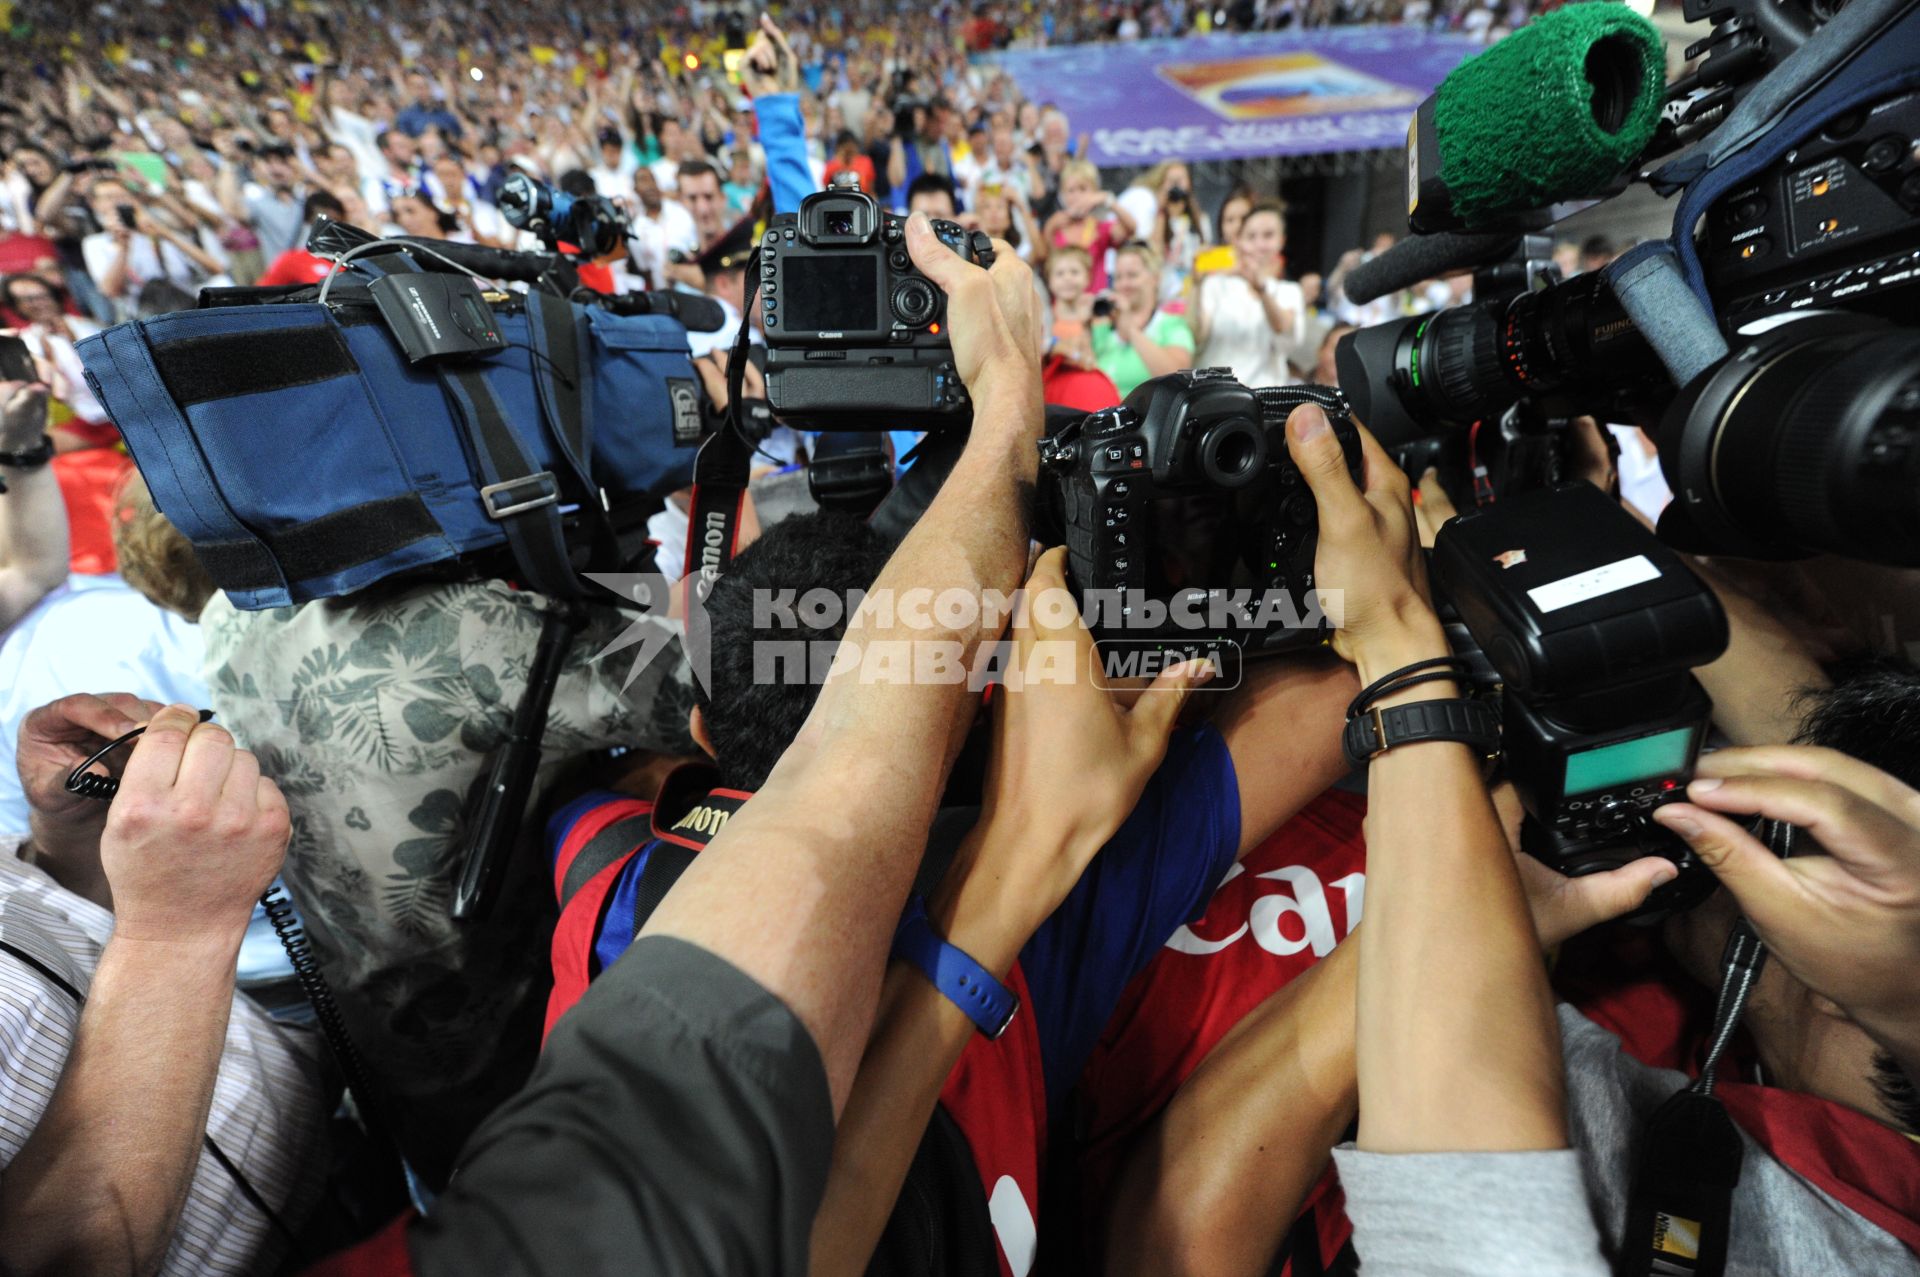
(856, 335)
(1783, 430)
(588, 226)
(1186, 522)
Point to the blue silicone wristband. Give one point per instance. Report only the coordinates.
(967, 984)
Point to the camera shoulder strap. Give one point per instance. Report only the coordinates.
(1680, 1208)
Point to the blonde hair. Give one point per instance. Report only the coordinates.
(1082, 170)
(155, 557)
(1070, 253)
(1143, 251)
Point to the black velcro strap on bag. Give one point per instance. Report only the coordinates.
(562, 379)
(228, 365)
(321, 547)
(605, 847)
(525, 502)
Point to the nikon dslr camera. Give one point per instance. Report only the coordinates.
(856, 335)
(1186, 521)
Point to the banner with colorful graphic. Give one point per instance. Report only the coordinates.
(1221, 97)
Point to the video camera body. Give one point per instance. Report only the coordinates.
(1186, 520)
(856, 334)
(1781, 431)
(1776, 451)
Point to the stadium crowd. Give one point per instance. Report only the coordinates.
(1111, 1009)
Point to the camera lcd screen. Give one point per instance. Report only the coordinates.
(831, 294)
(1661, 754)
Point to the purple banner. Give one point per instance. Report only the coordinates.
(1224, 96)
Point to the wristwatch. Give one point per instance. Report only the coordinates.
(967, 984)
(1370, 734)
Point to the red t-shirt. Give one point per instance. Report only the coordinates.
(295, 266)
(860, 166)
(1071, 386)
(1279, 911)
(90, 480)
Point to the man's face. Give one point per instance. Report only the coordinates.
(418, 87)
(453, 179)
(701, 194)
(107, 199)
(276, 171)
(399, 149)
(1003, 144)
(932, 203)
(647, 188)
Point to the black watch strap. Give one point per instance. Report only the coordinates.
(38, 455)
(1378, 730)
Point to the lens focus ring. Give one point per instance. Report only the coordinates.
(914, 302)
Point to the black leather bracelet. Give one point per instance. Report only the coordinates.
(1369, 735)
(1387, 684)
(33, 458)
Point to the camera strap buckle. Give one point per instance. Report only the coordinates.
(517, 496)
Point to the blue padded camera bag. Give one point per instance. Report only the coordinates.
(304, 457)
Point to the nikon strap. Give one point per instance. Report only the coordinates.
(1680, 1208)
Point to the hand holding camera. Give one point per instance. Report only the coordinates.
(1368, 550)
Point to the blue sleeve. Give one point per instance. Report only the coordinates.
(783, 136)
(1156, 873)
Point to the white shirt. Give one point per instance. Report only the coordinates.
(1239, 336)
(1142, 205)
(58, 351)
(266, 1114)
(656, 236)
(666, 173)
(96, 633)
(616, 181)
(145, 262)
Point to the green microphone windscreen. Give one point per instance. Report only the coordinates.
(1553, 112)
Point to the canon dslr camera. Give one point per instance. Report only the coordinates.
(1186, 521)
(856, 335)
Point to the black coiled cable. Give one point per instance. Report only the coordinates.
(306, 970)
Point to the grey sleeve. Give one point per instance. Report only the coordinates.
(678, 1123)
(1470, 1214)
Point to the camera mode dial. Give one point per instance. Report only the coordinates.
(914, 302)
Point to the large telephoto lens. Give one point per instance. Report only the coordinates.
(1408, 377)
(1806, 440)
(1570, 344)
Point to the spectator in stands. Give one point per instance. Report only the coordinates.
(297, 265)
(1069, 271)
(33, 520)
(50, 333)
(1088, 220)
(932, 194)
(1138, 340)
(1250, 319)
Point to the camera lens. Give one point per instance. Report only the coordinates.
(1408, 376)
(914, 302)
(1231, 453)
(1808, 439)
(839, 223)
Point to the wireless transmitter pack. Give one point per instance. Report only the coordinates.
(434, 315)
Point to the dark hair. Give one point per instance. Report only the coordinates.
(751, 720)
(928, 183)
(318, 202)
(446, 221)
(697, 168)
(576, 182)
(163, 297)
(1596, 246)
(1872, 713)
(380, 139)
(8, 284)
